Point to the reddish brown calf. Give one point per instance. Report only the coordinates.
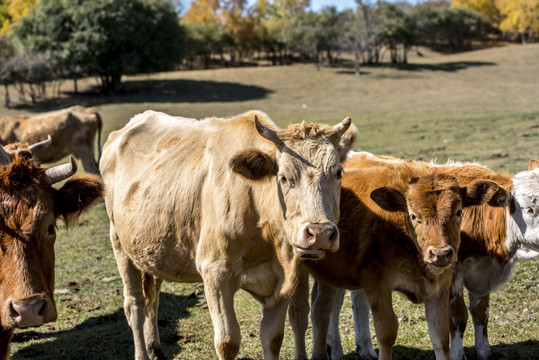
(29, 208)
(398, 232)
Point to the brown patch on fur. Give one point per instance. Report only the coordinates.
(171, 142)
(534, 164)
(253, 164)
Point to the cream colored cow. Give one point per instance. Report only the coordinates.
(233, 202)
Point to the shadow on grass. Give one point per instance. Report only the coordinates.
(453, 66)
(526, 350)
(149, 91)
(107, 336)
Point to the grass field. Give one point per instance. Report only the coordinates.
(475, 106)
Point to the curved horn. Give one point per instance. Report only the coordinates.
(40, 145)
(4, 156)
(341, 128)
(267, 133)
(61, 172)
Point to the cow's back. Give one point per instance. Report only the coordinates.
(166, 178)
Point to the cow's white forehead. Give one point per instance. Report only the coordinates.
(526, 183)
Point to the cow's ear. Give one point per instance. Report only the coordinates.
(485, 191)
(253, 164)
(76, 196)
(534, 164)
(346, 141)
(389, 199)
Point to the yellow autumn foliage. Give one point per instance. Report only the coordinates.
(16, 9)
(510, 16)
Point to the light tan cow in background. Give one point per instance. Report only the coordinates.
(233, 202)
(73, 131)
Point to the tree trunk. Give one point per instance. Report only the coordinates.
(6, 95)
(358, 70)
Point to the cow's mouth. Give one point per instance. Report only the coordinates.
(309, 253)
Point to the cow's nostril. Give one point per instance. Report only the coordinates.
(333, 235)
(13, 311)
(42, 309)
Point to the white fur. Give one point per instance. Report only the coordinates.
(457, 347)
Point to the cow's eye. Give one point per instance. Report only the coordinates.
(283, 180)
(338, 174)
(529, 210)
(459, 213)
(51, 229)
(413, 217)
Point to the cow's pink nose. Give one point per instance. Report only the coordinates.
(441, 257)
(320, 234)
(28, 312)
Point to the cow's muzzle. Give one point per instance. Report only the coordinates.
(32, 311)
(441, 257)
(318, 238)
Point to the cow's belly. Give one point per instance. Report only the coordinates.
(482, 275)
(166, 258)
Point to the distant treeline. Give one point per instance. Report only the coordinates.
(71, 39)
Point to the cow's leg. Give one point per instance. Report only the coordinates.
(361, 311)
(458, 318)
(479, 308)
(334, 345)
(5, 341)
(437, 312)
(272, 329)
(134, 302)
(322, 297)
(386, 324)
(219, 288)
(152, 286)
(298, 315)
(86, 155)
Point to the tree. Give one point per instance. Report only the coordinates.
(485, 7)
(12, 11)
(203, 11)
(120, 37)
(397, 28)
(519, 18)
(452, 29)
(7, 52)
(205, 39)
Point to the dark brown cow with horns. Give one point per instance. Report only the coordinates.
(29, 208)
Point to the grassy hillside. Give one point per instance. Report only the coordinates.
(476, 106)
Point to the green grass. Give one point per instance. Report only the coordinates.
(476, 106)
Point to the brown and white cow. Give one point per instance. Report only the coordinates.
(493, 240)
(233, 202)
(29, 208)
(73, 131)
(400, 231)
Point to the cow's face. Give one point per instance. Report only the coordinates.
(307, 173)
(29, 208)
(525, 208)
(434, 204)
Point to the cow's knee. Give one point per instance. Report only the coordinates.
(227, 349)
